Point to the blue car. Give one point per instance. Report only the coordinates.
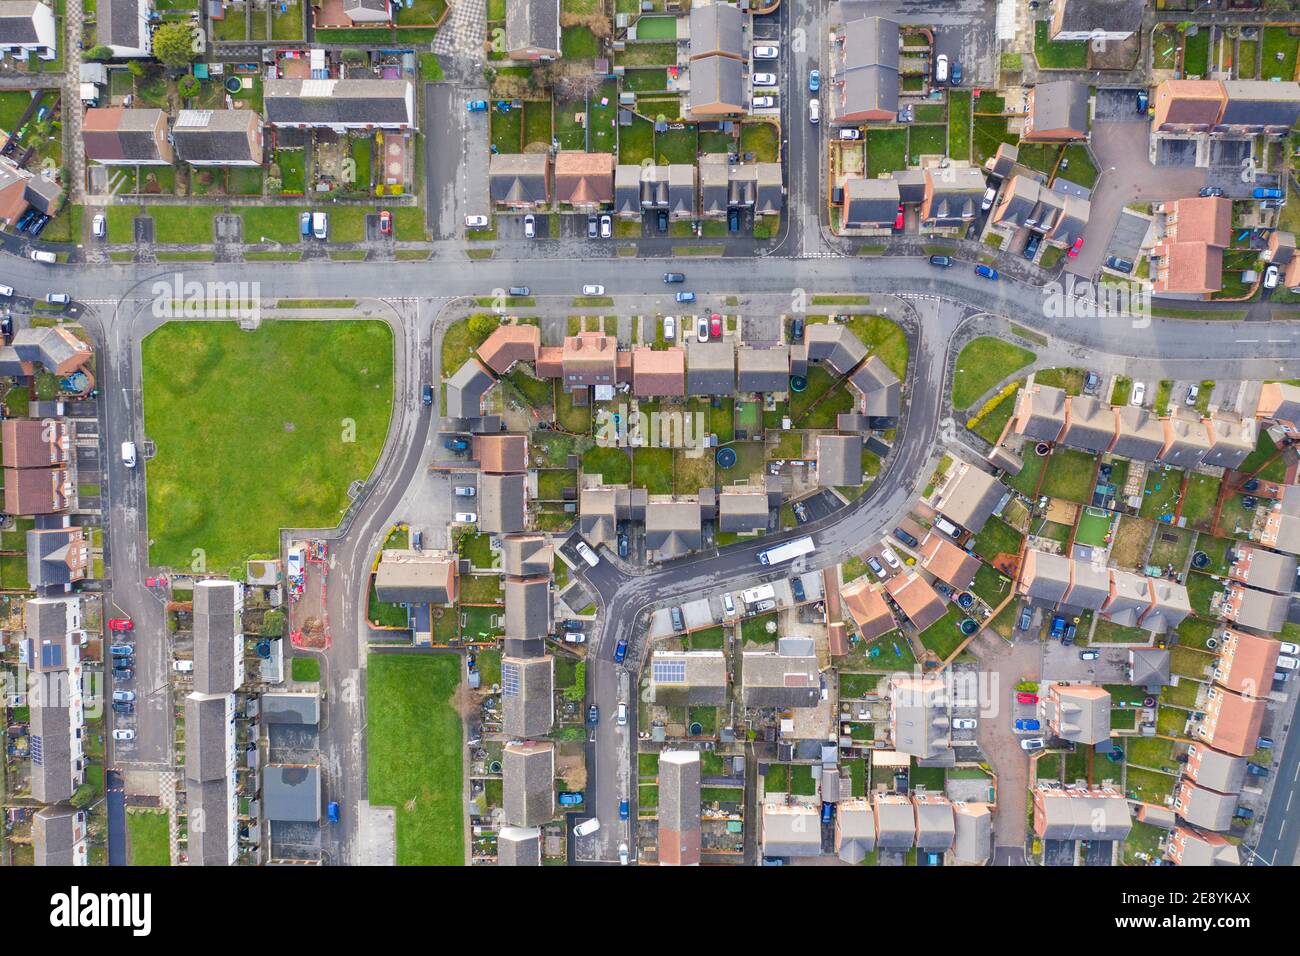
(1264, 193)
(986, 272)
(623, 809)
(477, 106)
(685, 297)
(1058, 626)
(333, 812)
(1025, 723)
(814, 81)
(620, 650)
(571, 798)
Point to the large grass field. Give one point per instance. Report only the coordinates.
(983, 363)
(415, 754)
(256, 431)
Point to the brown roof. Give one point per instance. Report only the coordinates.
(1189, 103)
(501, 453)
(919, 601)
(35, 491)
(869, 609)
(947, 562)
(582, 178)
(1203, 219)
(31, 443)
(1232, 722)
(1246, 662)
(550, 361)
(588, 359)
(658, 372)
(510, 344)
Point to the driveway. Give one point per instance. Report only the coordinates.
(455, 161)
(1127, 176)
(1064, 663)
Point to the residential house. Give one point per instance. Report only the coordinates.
(835, 347)
(526, 555)
(218, 137)
(864, 77)
(37, 491)
(528, 608)
(520, 181)
(952, 197)
(129, 137)
(416, 577)
(1232, 722)
(743, 509)
(509, 344)
(1040, 412)
(918, 601)
(52, 348)
(1207, 809)
(1149, 668)
(519, 846)
(868, 608)
(125, 27)
(367, 11)
(1227, 108)
(1232, 439)
(895, 821)
(947, 562)
(1089, 424)
(920, 713)
(780, 681)
(1189, 253)
(28, 28)
(1059, 217)
(211, 754)
(1190, 847)
(34, 443)
(21, 190)
(855, 830)
(1095, 20)
(466, 388)
(710, 368)
(1054, 579)
(59, 837)
(584, 181)
(1256, 610)
(658, 373)
(1281, 528)
(717, 88)
(1281, 248)
(1209, 768)
(716, 29)
(878, 391)
(968, 496)
(1078, 712)
(57, 558)
(1186, 439)
(528, 782)
(1139, 435)
(501, 454)
(679, 808)
(1279, 404)
(1130, 597)
(502, 503)
(51, 650)
(588, 359)
(839, 460)
(725, 185)
(1265, 570)
(672, 528)
(670, 188)
(688, 678)
(765, 370)
(340, 105)
(291, 793)
(527, 694)
(1056, 112)
(533, 29)
(870, 204)
(973, 842)
(936, 827)
(791, 829)
(218, 636)
(601, 509)
(1080, 813)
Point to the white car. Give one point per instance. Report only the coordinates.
(622, 714)
(606, 227)
(530, 226)
(763, 79)
(728, 606)
(891, 558)
(1193, 392)
(1288, 663)
(941, 68)
(764, 102)
(476, 222)
(964, 723)
(593, 290)
(587, 827)
(670, 328)
(1270, 277)
(1139, 393)
(125, 734)
(183, 667)
(99, 226)
(465, 517)
(702, 329)
(622, 854)
(814, 110)
(1032, 743)
(1286, 647)
(990, 194)
(585, 552)
(575, 638)
(850, 132)
(7, 291)
(465, 491)
(766, 53)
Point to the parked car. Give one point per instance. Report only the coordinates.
(763, 79)
(426, 394)
(942, 262)
(670, 323)
(661, 220)
(702, 328)
(320, 225)
(876, 566)
(476, 222)
(715, 326)
(1264, 743)
(99, 226)
(606, 227)
(121, 624)
(796, 330)
(728, 605)
(385, 222)
(623, 809)
(941, 68)
(155, 582)
(1193, 392)
(990, 194)
(519, 291)
(622, 714)
(1286, 647)
(123, 673)
(1271, 276)
(1139, 393)
(1207, 191)
(1032, 743)
(126, 696)
(986, 272)
(814, 110)
(814, 80)
(766, 53)
(1031, 247)
(850, 133)
(1264, 192)
(964, 723)
(1119, 265)
(1026, 618)
(1256, 770)
(684, 297)
(623, 858)
(1089, 655)
(477, 106)
(570, 798)
(1143, 101)
(57, 298)
(417, 544)
(125, 733)
(620, 650)
(530, 226)
(569, 624)
(675, 615)
(796, 588)
(907, 539)
(898, 217)
(593, 290)
(593, 227)
(891, 558)
(40, 255)
(764, 102)
(1027, 723)
(183, 667)
(1024, 697)
(800, 512)
(593, 715)
(575, 638)
(465, 517)
(39, 225)
(456, 444)
(121, 650)
(955, 74)
(1074, 249)
(587, 827)
(123, 707)
(332, 811)
(304, 225)
(585, 552)
(733, 220)
(671, 277)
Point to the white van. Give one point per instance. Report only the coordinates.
(1288, 663)
(586, 827)
(941, 68)
(183, 667)
(320, 225)
(40, 255)
(128, 454)
(947, 527)
(587, 554)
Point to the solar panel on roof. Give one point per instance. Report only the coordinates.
(669, 672)
(510, 680)
(51, 655)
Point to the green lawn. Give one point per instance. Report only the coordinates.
(1265, 460)
(997, 537)
(652, 469)
(761, 139)
(944, 635)
(414, 751)
(959, 110)
(1058, 56)
(1196, 54)
(982, 364)
(256, 431)
(886, 150)
(1161, 489)
(1070, 475)
(148, 832)
(1278, 40)
(614, 464)
(1199, 499)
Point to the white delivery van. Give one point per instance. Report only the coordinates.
(128, 454)
(586, 827)
(320, 225)
(587, 554)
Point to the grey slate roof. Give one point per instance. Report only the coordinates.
(778, 680)
(337, 102)
(17, 25)
(974, 836)
(1061, 105)
(519, 846)
(1216, 770)
(206, 753)
(855, 830)
(528, 776)
(501, 503)
(209, 800)
(533, 23)
(1205, 808)
(834, 346)
(688, 678)
(1071, 814)
(213, 135)
(526, 555)
(1139, 435)
(1261, 103)
(218, 638)
(50, 727)
(919, 717)
(291, 793)
(406, 576)
(679, 806)
(742, 509)
(936, 827)
(465, 390)
(870, 203)
(118, 23)
(763, 370)
(519, 177)
(791, 830)
(672, 528)
(879, 388)
(528, 695)
(839, 460)
(1089, 424)
(867, 66)
(970, 498)
(47, 557)
(528, 607)
(716, 28)
(710, 368)
(55, 834)
(895, 822)
(1149, 667)
(291, 707)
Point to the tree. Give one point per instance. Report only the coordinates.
(98, 53)
(84, 796)
(188, 85)
(173, 43)
(481, 326)
(273, 623)
(135, 68)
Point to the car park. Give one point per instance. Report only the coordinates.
(1028, 723)
(850, 133)
(907, 539)
(1089, 655)
(593, 290)
(766, 53)
(1032, 743)
(620, 650)
(876, 566)
(942, 262)
(702, 328)
(814, 80)
(986, 272)
(763, 79)
(476, 222)
(1139, 393)
(606, 227)
(671, 277)
(964, 723)
(764, 102)
(530, 226)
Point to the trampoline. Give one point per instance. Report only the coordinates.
(969, 627)
(726, 458)
(1200, 560)
(798, 383)
(233, 84)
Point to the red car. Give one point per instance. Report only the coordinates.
(898, 220)
(155, 582)
(385, 223)
(715, 326)
(121, 624)
(1074, 249)
(1023, 698)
